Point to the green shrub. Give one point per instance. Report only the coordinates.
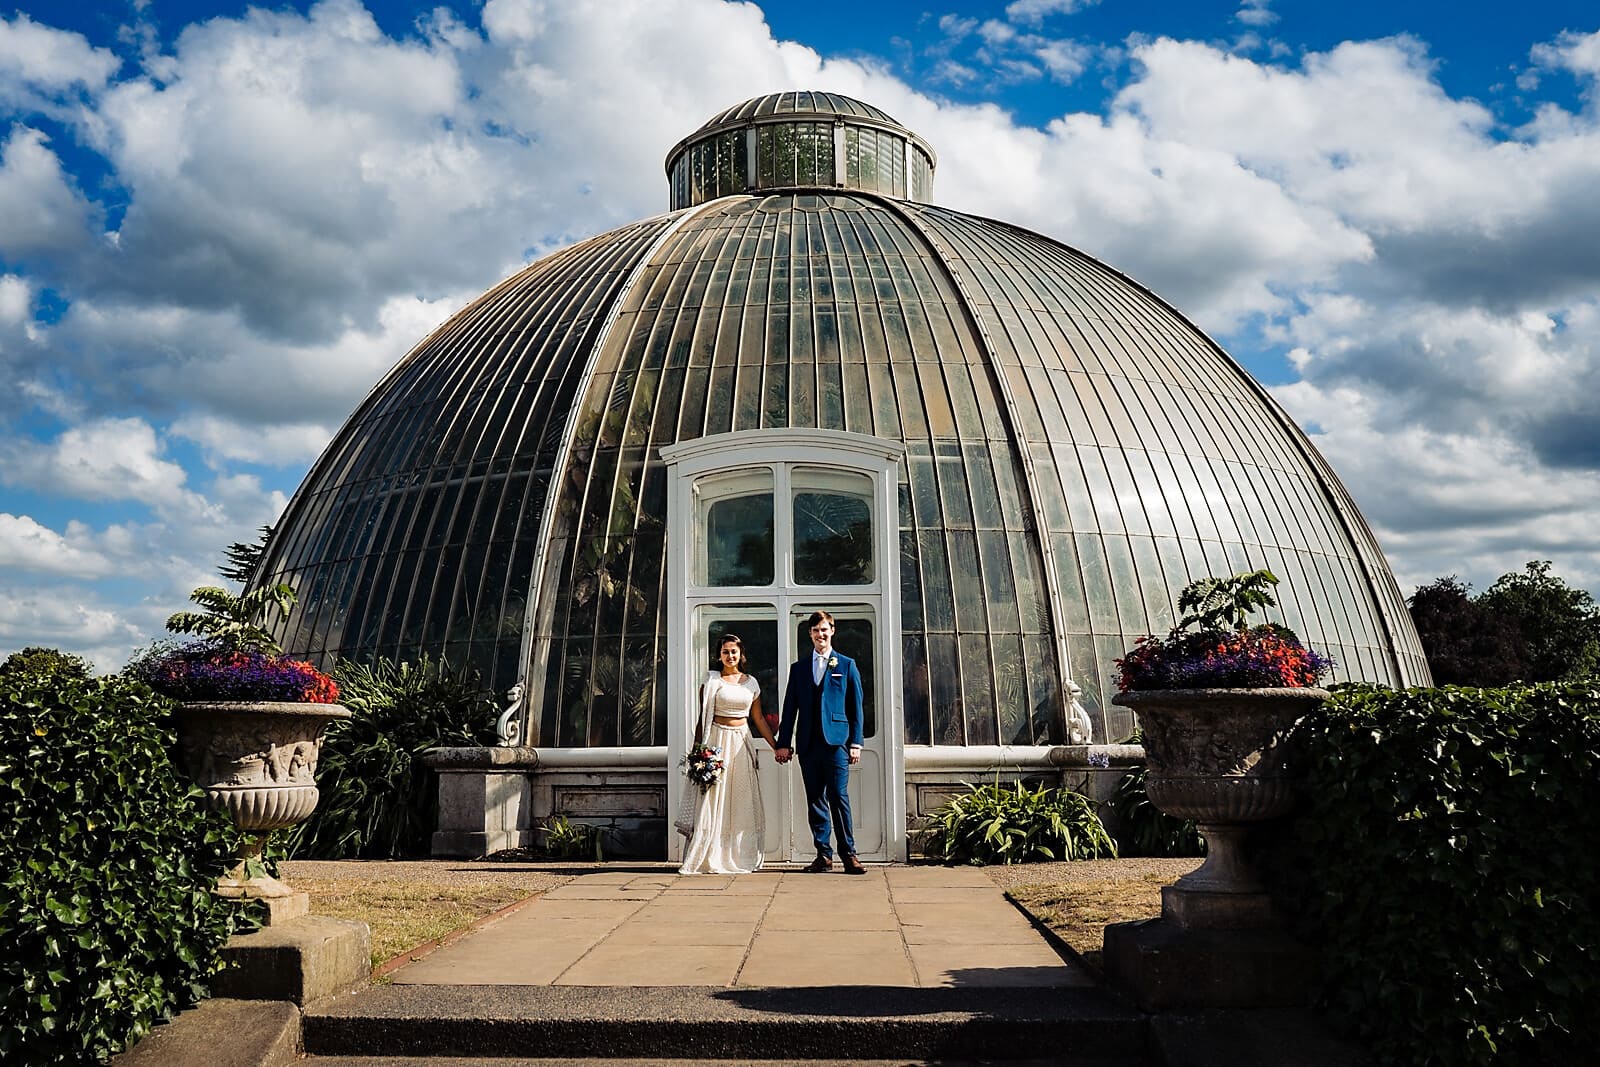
(1145, 830)
(49, 662)
(378, 799)
(107, 859)
(1005, 824)
(1445, 862)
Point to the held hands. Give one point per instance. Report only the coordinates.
(782, 755)
(855, 754)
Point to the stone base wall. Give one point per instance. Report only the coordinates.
(498, 798)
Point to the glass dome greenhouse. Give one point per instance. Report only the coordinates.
(994, 457)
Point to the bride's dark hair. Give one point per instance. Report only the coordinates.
(737, 642)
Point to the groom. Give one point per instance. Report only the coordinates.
(824, 695)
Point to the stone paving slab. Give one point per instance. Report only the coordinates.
(896, 926)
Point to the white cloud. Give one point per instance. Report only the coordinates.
(107, 459)
(1256, 13)
(40, 211)
(63, 617)
(306, 198)
(27, 546)
(16, 299)
(39, 65)
(1034, 12)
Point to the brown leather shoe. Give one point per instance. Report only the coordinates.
(821, 865)
(853, 865)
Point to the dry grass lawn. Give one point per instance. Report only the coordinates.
(1079, 912)
(409, 903)
(403, 915)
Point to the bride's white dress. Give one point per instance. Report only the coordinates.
(728, 820)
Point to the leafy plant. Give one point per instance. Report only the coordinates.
(107, 858)
(1226, 603)
(566, 839)
(235, 621)
(1214, 645)
(1017, 824)
(378, 799)
(1441, 860)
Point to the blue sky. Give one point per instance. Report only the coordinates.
(220, 224)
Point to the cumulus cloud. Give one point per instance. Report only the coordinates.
(41, 213)
(107, 459)
(62, 617)
(27, 546)
(44, 70)
(1034, 12)
(296, 199)
(1256, 13)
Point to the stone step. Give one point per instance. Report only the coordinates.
(1073, 1027)
(500, 1061)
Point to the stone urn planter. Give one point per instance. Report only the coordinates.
(1214, 756)
(257, 761)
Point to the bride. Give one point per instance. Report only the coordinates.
(727, 827)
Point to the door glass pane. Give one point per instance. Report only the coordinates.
(832, 528)
(757, 630)
(852, 635)
(735, 521)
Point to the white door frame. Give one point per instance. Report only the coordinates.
(872, 456)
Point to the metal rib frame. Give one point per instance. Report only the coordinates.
(532, 679)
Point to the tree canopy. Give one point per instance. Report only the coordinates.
(1529, 626)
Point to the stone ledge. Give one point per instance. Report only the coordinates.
(302, 960)
(221, 1033)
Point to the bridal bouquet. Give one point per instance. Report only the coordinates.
(703, 765)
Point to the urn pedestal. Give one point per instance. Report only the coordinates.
(1215, 756)
(257, 761)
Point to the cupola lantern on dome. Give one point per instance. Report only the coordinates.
(792, 140)
(995, 459)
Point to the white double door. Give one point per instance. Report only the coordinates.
(763, 528)
(771, 648)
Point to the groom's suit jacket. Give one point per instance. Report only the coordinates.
(834, 709)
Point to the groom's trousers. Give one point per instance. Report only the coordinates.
(825, 769)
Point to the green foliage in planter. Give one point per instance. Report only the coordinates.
(1445, 861)
(565, 839)
(1015, 824)
(378, 800)
(107, 859)
(1145, 830)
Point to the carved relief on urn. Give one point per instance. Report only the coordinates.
(257, 761)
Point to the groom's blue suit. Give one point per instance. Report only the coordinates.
(824, 721)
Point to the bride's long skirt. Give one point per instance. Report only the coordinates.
(728, 822)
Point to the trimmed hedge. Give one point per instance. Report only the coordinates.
(107, 859)
(1446, 862)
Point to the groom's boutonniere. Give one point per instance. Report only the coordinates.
(833, 661)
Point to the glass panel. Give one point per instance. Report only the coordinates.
(832, 528)
(736, 523)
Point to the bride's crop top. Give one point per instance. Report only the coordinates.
(733, 699)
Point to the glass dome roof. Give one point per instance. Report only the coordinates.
(1075, 453)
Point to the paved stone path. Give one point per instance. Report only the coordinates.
(895, 926)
